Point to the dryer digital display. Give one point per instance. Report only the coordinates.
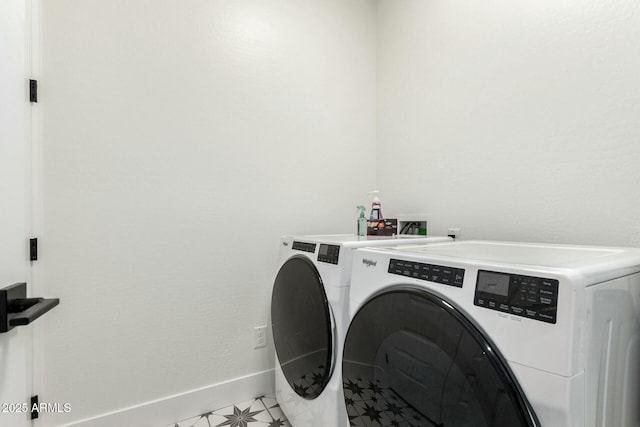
(329, 253)
(493, 283)
(525, 296)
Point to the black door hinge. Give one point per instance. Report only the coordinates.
(33, 249)
(33, 90)
(34, 407)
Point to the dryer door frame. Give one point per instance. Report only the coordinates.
(303, 327)
(411, 354)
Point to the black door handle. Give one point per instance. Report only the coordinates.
(37, 308)
(18, 310)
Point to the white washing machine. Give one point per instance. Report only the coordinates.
(490, 334)
(309, 316)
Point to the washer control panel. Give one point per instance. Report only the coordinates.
(429, 272)
(329, 253)
(525, 296)
(304, 246)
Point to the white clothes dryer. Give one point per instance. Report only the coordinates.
(490, 334)
(309, 317)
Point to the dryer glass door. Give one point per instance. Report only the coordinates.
(413, 358)
(301, 324)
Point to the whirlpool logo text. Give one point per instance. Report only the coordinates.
(369, 262)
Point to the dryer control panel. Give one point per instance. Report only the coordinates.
(429, 272)
(304, 246)
(525, 296)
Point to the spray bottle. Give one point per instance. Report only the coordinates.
(362, 221)
(376, 207)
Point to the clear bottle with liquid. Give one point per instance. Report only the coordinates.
(362, 221)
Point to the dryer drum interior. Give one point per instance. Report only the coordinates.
(302, 329)
(412, 357)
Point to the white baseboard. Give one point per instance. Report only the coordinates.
(162, 412)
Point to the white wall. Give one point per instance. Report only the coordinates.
(515, 120)
(181, 140)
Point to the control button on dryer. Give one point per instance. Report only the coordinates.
(424, 272)
(446, 278)
(546, 301)
(548, 283)
(458, 278)
(547, 317)
(546, 292)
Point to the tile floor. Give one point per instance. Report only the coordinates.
(263, 411)
(368, 405)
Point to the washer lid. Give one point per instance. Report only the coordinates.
(355, 241)
(521, 253)
(592, 263)
(302, 329)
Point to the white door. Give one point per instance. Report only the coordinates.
(15, 206)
